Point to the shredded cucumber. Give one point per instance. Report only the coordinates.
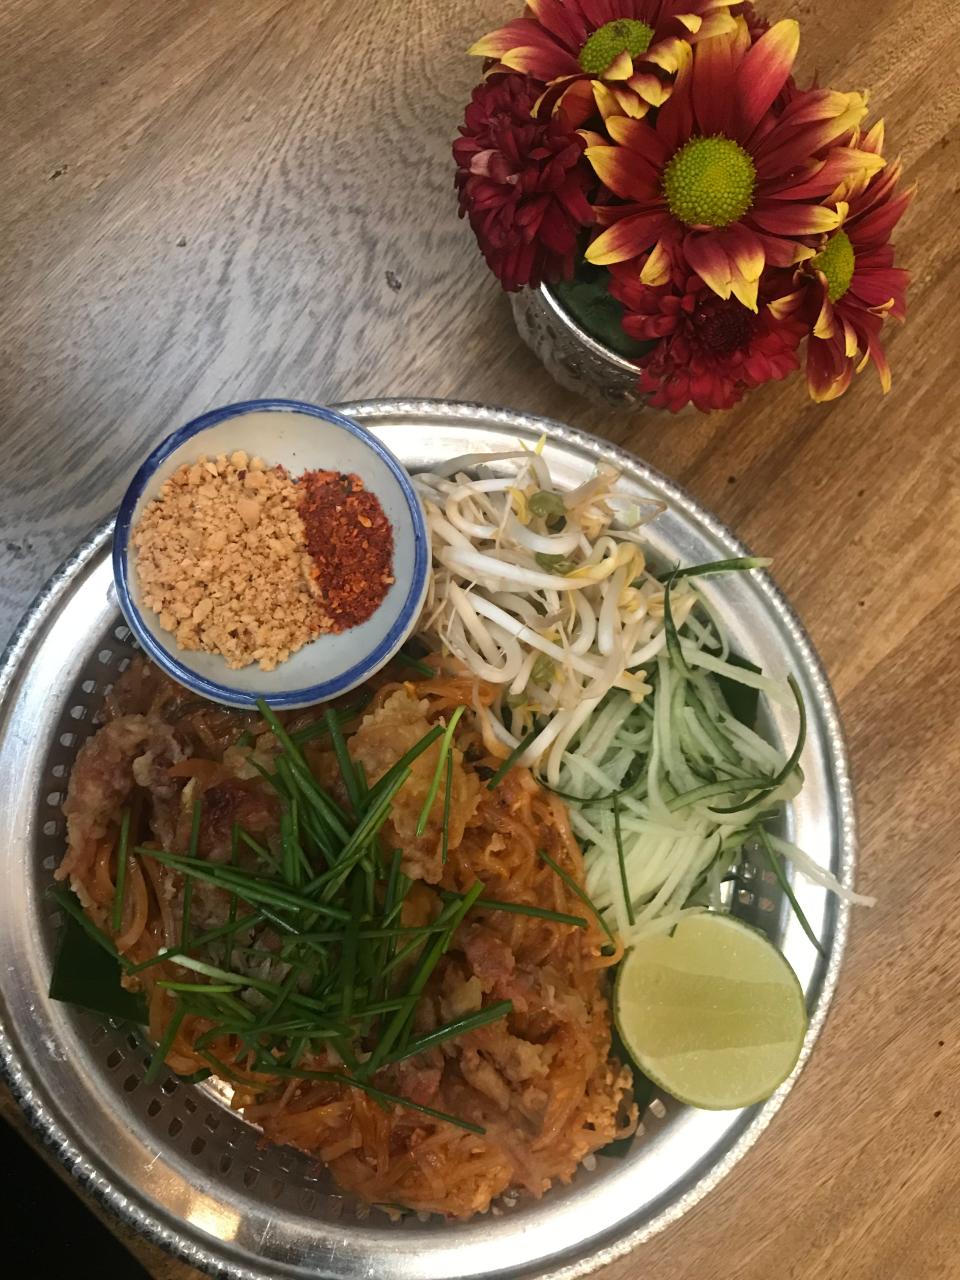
(675, 762)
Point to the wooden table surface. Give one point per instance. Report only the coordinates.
(207, 201)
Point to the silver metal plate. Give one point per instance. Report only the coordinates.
(186, 1172)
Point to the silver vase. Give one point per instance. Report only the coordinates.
(568, 353)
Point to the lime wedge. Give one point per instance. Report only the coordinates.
(714, 1014)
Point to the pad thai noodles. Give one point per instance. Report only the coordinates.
(401, 980)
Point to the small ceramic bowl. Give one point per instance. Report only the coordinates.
(300, 437)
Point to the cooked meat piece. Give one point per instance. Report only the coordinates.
(100, 783)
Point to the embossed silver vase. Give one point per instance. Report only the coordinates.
(570, 355)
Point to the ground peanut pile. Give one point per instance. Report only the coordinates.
(221, 557)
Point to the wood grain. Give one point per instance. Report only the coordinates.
(205, 202)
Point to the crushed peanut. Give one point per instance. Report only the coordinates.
(222, 559)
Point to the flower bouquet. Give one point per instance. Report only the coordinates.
(656, 166)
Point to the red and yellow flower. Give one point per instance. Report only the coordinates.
(709, 350)
(853, 283)
(615, 56)
(734, 171)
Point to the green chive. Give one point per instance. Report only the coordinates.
(417, 664)
(777, 868)
(445, 746)
(574, 888)
(427, 964)
(301, 772)
(634, 788)
(188, 885)
(387, 1006)
(356, 847)
(234, 856)
(251, 888)
(398, 957)
(379, 1094)
(346, 766)
(733, 565)
(624, 885)
(771, 784)
(201, 940)
(512, 759)
(202, 987)
(492, 1013)
(673, 639)
(163, 1048)
(521, 909)
(402, 765)
(447, 798)
(118, 894)
(318, 729)
(710, 789)
(348, 952)
(290, 860)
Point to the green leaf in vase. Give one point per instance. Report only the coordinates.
(594, 308)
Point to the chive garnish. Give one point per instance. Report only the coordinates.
(379, 1094)
(521, 909)
(512, 759)
(574, 888)
(447, 798)
(734, 565)
(408, 660)
(199, 940)
(777, 867)
(204, 988)
(771, 784)
(188, 884)
(453, 914)
(347, 770)
(344, 714)
(711, 789)
(163, 1048)
(327, 908)
(673, 639)
(403, 764)
(249, 887)
(492, 1013)
(121, 881)
(445, 747)
(624, 883)
(348, 952)
(234, 856)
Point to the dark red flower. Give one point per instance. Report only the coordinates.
(522, 183)
(709, 350)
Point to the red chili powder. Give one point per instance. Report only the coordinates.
(351, 542)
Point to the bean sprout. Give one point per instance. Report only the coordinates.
(543, 593)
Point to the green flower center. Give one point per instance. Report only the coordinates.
(710, 182)
(837, 261)
(625, 35)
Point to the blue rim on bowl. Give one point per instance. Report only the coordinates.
(304, 696)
